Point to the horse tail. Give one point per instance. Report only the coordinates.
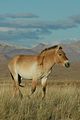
(19, 79)
(21, 85)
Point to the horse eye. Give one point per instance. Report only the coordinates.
(60, 54)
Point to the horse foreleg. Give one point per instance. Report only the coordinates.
(44, 84)
(34, 84)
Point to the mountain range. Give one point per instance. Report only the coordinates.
(72, 50)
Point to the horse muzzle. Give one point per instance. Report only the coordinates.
(67, 64)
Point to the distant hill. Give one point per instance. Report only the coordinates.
(39, 47)
(4, 73)
(72, 50)
(14, 52)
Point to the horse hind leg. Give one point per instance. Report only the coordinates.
(16, 83)
(11, 75)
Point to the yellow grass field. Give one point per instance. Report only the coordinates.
(62, 102)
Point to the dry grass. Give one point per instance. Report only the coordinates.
(61, 103)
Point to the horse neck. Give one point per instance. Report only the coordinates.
(49, 59)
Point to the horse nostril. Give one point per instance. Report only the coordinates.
(67, 64)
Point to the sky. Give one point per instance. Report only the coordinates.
(29, 22)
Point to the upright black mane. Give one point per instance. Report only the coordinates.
(53, 47)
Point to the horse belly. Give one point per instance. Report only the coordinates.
(30, 72)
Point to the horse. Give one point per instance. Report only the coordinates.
(36, 67)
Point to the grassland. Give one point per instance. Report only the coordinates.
(62, 102)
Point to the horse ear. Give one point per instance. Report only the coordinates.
(58, 48)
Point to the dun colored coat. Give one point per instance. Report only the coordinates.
(36, 67)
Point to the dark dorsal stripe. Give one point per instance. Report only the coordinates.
(53, 47)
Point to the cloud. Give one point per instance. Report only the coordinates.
(44, 25)
(14, 16)
(75, 19)
(4, 29)
(16, 35)
(19, 29)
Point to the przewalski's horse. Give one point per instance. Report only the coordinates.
(36, 67)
